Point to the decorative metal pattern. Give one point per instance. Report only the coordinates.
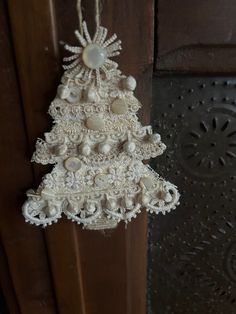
(192, 251)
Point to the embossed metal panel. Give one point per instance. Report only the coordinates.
(192, 251)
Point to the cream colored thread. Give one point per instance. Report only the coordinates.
(97, 13)
(79, 10)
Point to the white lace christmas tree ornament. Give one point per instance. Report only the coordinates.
(97, 145)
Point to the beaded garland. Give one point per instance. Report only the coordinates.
(97, 145)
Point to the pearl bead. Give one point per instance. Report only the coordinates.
(119, 106)
(128, 202)
(101, 180)
(129, 147)
(104, 148)
(111, 203)
(63, 91)
(59, 150)
(147, 182)
(95, 123)
(94, 56)
(85, 149)
(90, 207)
(72, 209)
(168, 197)
(74, 95)
(72, 164)
(50, 212)
(145, 200)
(129, 83)
(155, 138)
(91, 95)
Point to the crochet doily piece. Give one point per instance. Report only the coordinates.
(97, 146)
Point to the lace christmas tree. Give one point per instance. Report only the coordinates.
(97, 145)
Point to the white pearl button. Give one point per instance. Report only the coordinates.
(94, 56)
(72, 164)
(95, 123)
(119, 106)
(74, 95)
(101, 180)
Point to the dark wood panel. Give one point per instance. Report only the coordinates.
(116, 261)
(65, 257)
(3, 308)
(92, 272)
(7, 289)
(23, 245)
(196, 36)
(38, 66)
(196, 60)
(36, 51)
(42, 63)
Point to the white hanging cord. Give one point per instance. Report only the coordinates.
(97, 14)
(79, 10)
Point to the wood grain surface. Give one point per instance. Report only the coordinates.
(25, 254)
(64, 269)
(196, 36)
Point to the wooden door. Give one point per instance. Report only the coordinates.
(63, 269)
(192, 265)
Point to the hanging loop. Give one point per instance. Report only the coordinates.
(97, 14)
(79, 10)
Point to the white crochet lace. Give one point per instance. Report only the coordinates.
(97, 145)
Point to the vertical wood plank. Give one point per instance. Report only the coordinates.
(103, 260)
(127, 249)
(36, 46)
(136, 233)
(93, 272)
(114, 262)
(23, 245)
(65, 257)
(35, 43)
(7, 286)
